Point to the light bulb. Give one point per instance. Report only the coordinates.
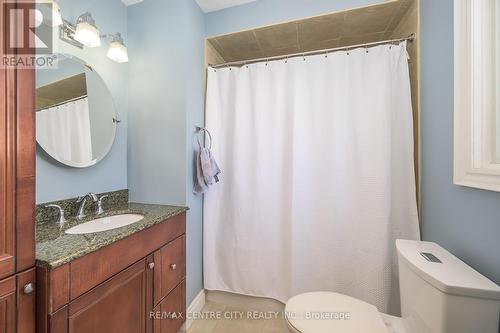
(117, 50)
(87, 32)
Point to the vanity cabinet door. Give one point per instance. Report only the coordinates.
(170, 268)
(170, 314)
(120, 304)
(17, 303)
(8, 305)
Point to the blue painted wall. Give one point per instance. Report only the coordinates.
(464, 220)
(55, 181)
(166, 43)
(195, 108)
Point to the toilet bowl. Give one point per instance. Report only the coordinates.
(332, 312)
(438, 292)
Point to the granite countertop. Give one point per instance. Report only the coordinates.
(54, 248)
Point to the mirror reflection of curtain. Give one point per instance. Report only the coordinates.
(65, 131)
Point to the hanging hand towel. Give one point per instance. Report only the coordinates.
(207, 170)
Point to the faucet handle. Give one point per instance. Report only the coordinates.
(100, 210)
(83, 197)
(62, 219)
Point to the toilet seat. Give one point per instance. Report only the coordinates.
(325, 312)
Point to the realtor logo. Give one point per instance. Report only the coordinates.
(28, 34)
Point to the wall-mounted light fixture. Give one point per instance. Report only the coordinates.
(117, 50)
(56, 14)
(86, 34)
(50, 11)
(86, 31)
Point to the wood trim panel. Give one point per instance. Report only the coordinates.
(150, 276)
(25, 169)
(52, 294)
(25, 234)
(26, 303)
(165, 277)
(7, 163)
(59, 288)
(42, 303)
(92, 269)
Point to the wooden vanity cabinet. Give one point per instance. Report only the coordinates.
(17, 307)
(134, 285)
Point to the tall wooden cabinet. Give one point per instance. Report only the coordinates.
(17, 193)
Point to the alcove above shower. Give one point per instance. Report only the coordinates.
(387, 20)
(392, 19)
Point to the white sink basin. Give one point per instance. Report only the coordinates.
(105, 224)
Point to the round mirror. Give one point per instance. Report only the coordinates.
(75, 115)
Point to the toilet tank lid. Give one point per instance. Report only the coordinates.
(451, 275)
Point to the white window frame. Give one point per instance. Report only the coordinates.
(475, 95)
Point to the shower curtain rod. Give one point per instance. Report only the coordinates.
(75, 99)
(410, 38)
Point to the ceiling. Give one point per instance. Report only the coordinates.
(350, 27)
(206, 5)
(214, 5)
(131, 2)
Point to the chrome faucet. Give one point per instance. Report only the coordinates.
(81, 211)
(100, 210)
(62, 219)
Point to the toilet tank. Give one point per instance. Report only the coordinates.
(442, 294)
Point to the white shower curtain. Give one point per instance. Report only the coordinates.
(317, 176)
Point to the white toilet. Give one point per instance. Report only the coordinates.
(439, 294)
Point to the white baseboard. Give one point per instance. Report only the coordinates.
(196, 305)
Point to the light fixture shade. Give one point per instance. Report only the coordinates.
(56, 15)
(87, 32)
(48, 11)
(117, 50)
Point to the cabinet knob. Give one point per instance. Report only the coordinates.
(29, 288)
(151, 265)
(173, 267)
